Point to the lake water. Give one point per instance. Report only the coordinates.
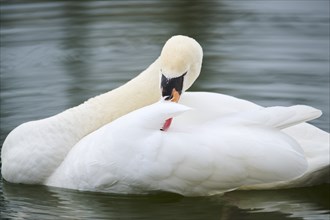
(55, 55)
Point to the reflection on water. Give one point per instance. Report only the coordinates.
(55, 55)
(36, 202)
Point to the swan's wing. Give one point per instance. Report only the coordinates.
(219, 156)
(207, 106)
(314, 141)
(275, 117)
(207, 162)
(131, 155)
(215, 102)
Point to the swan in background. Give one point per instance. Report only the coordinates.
(125, 141)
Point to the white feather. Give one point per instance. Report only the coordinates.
(132, 155)
(216, 143)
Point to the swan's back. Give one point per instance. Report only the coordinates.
(132, 155)
(314, 141)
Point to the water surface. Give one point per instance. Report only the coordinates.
(55, 55)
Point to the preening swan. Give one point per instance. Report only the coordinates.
(137, 139)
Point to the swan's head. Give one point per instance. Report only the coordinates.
(181, 62)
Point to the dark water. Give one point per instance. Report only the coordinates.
(35, 202)
(55, 55)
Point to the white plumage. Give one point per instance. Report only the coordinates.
(215, 144)
(132, 155)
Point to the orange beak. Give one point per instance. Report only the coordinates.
(175, 96)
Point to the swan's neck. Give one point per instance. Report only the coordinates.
(100, 110)
(48, 141)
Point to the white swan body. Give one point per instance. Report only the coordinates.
(55, 151)
(132, 155)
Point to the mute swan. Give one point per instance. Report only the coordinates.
(86, 148)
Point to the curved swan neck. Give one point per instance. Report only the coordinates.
(56, 135)
(138, 92)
